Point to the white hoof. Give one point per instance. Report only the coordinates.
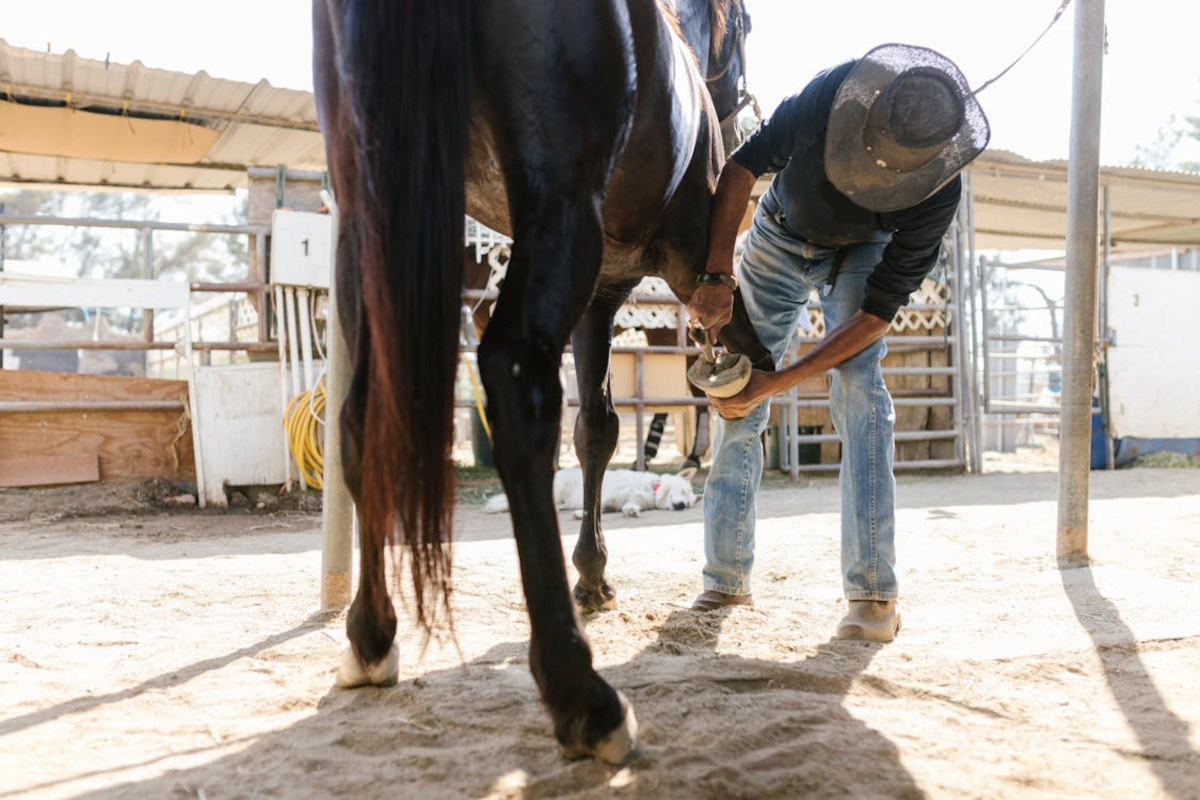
(384, 672)
(622, 744)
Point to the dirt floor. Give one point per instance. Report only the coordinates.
(181, 654)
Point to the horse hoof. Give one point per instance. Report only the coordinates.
(591, 601)
(384, 672)
(623, 744)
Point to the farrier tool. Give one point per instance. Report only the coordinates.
(721, 374)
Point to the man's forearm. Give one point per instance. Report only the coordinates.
(729, 207)
(839, 345)
(711, 306)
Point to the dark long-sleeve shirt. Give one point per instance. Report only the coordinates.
(792, 144)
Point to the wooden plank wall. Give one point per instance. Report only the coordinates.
(130, 444)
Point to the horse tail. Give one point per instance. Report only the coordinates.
(405, 64)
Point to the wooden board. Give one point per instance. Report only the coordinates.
(129, 444)
(664, 377)
(28, 385)
(70, 132)
(49, 470)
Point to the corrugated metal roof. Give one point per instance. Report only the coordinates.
(1018, 203)
(1023, 204)
(260, 125)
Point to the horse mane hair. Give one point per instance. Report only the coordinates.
(719, 11)
(667, 9)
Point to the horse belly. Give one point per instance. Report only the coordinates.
(487, 201)
(662, 142)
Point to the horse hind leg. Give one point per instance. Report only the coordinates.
(371, 623)
(596, 431)
(372, 657)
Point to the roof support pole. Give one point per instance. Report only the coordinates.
(1079, 336)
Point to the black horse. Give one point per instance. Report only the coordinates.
(584, 130)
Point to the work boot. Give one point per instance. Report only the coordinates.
(712, 600)
(870, 621)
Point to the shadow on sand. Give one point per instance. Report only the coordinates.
(1163, 736)
(765, 729)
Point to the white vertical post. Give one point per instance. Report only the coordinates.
(289, 313)
(337, 509)
(1079, 318)
(976, 452)
(306, 350)
(957, 344)
(281, 337)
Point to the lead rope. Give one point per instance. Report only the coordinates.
(1003, 72)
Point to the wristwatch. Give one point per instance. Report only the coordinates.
(710, 278)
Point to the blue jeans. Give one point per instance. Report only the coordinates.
(777, 273)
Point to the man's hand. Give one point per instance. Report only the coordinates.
(711, 308)
(741, 404)
(842, 343)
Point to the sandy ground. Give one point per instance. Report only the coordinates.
(182, 656)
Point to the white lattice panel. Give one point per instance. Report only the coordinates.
(643, 312)
(908, 320)
(653, 305)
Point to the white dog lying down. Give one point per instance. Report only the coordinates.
(624, 490)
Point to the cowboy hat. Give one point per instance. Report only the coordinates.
(903, 123)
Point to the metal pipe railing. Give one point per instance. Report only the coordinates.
(137, 225)
(899, 466)
(256, 285)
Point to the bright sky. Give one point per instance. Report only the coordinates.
(1150, 71)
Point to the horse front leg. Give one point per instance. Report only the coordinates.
(556, 146)
(596, 431)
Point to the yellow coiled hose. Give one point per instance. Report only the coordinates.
(303, 422)
(480, 406)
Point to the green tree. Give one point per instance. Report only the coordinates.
(98, 252)
(29, 242)
(1165, 151)
(1193, 133)
(119, 253)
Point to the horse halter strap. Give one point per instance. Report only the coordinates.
(745, 97)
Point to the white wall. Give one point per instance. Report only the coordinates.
(1154, 368)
